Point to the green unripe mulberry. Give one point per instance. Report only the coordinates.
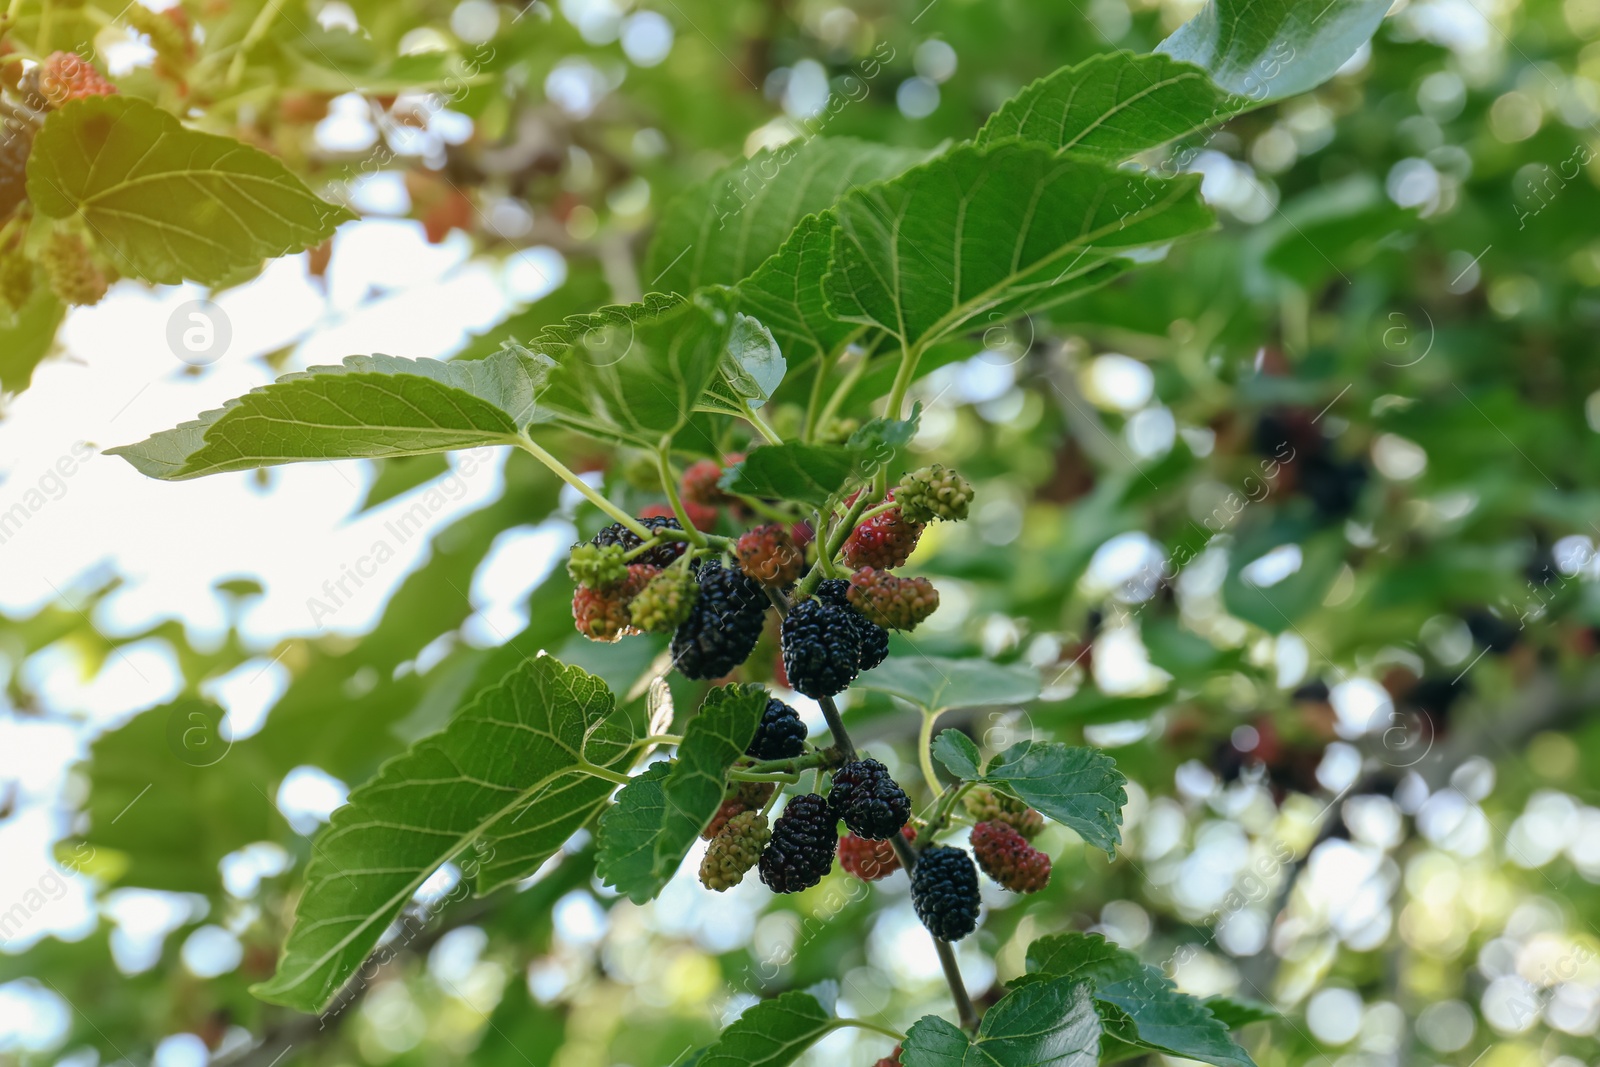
(663, 605)
(934, 492)
(598, 566)
(734, 851)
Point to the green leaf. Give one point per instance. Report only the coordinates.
(752, 367)
(939, 683)
(771, 1033)
(807, 474)
(401, 474)
(500, 789)
(369, 406)
(625, 854)
(636, 373)
(785, 292)
(1113, 106)
(760, 364)
(168, 204)
(27, 338)
(1078, 786)
(1271, 49)
(1163, 1019)
(718, 232)
(171, 794)
(879, 440)
(959, 753)
(1042, 1024)
(646, 835)
(981, 235)
(1234, 1012)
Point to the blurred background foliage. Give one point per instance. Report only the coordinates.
(1298, 523)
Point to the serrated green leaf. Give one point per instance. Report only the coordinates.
(1271, 49)
(625, 853)
(1163, 1019)
(166, 203)
(982, 235)
(785, 292)
(636, 373)
(718, 232)
(502, 782)
(1042, 1024)
(367, 407)
(959, 754)
(770, 1034)
(939, 683)
(1080, 787)
(645, 835)
(793, 470)
(1113, 106)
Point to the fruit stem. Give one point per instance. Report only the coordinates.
(588, 492)
(874, 1027)
(910, 356)
(669, 485)
(967, 1011)
(940, 816)
(658, 739)
(925, 751)
(754, 418)
(843, 389)
(754, 776)
(825, 364)
(252, 37)
(872, 513)
(821, 758)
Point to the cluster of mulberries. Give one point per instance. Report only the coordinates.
(1005, 855)
(871, 860)
(826, 642)
(603, 614)
(944, 892)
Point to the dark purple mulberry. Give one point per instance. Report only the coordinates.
(944, 890)
(723, 626)
(870, 802)
(802, 846)
(781, 734)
